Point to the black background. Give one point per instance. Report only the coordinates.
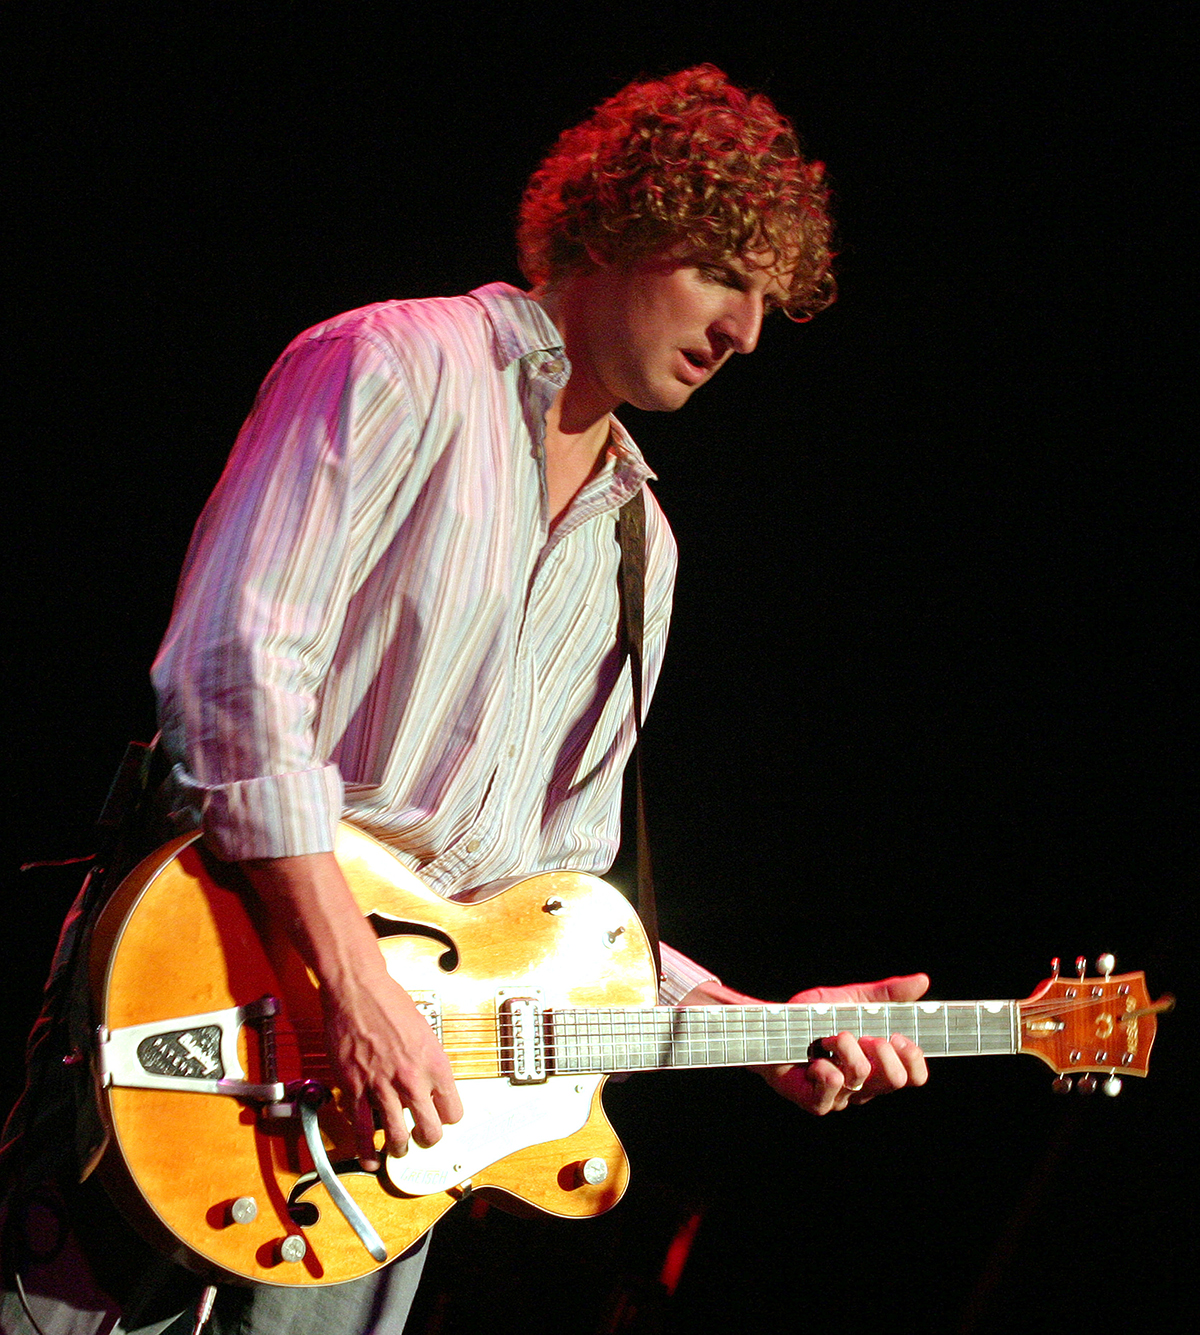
(924, 704)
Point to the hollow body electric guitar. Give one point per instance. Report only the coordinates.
(227, 1144)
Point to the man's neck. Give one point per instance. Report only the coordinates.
(572, 457)
(577, 422)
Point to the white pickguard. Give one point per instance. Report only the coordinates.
(499, 1118)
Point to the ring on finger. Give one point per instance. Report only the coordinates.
(817, 1050)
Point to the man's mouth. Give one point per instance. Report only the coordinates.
(695, 367)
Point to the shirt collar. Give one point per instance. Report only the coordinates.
(521, 324)
(522, 327)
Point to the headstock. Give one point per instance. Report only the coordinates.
(1092, 1026)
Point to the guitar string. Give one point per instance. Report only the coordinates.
(777, 1011)
(618, 1025)
(635, 1019)
(581, 1041)
(622, 1025)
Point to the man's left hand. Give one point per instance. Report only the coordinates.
(857, 1069)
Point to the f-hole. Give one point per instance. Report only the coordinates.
(385, 926)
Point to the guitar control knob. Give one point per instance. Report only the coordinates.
(293, 1248)
(1105, 964)
(593, 1172)
(1061, 1084)
(244, 1210)
(1087, 1084)
(1112, 1086)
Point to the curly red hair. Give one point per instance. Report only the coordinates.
(691, 161)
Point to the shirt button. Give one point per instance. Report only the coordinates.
(472, 845)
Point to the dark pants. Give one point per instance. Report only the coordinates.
(72, 1263)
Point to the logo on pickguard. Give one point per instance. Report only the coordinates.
(192, 1053)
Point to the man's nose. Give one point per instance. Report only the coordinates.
(740, 325)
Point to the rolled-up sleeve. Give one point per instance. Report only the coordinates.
(680, 975)
(306, 501)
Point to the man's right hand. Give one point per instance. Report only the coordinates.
(388, 1059)
(385, 1055)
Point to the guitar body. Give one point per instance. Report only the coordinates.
(179, 942)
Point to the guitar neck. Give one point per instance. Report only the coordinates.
(661, 1038)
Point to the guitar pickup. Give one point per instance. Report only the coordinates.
(522, 1043)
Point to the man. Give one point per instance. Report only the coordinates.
(400, 605)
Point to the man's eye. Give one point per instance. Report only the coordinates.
(715, 274)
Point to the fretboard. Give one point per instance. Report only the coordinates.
(645, 1038)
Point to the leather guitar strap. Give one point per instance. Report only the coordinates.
(631, 534)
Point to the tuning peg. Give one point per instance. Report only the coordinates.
(1087, 1084)
(1055, 966)
(1112, 1086)
(1080, 965)
(1105, 964)
(1061, 1084)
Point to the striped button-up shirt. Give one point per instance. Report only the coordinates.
(375, 622)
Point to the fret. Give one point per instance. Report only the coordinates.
(965, 1037)
(756, 1044)
(920, 1038)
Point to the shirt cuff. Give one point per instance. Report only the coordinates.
(275, 816)
(680, 975)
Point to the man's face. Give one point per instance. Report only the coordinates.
(652, 332)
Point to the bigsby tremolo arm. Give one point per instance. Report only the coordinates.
(196, 1054)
